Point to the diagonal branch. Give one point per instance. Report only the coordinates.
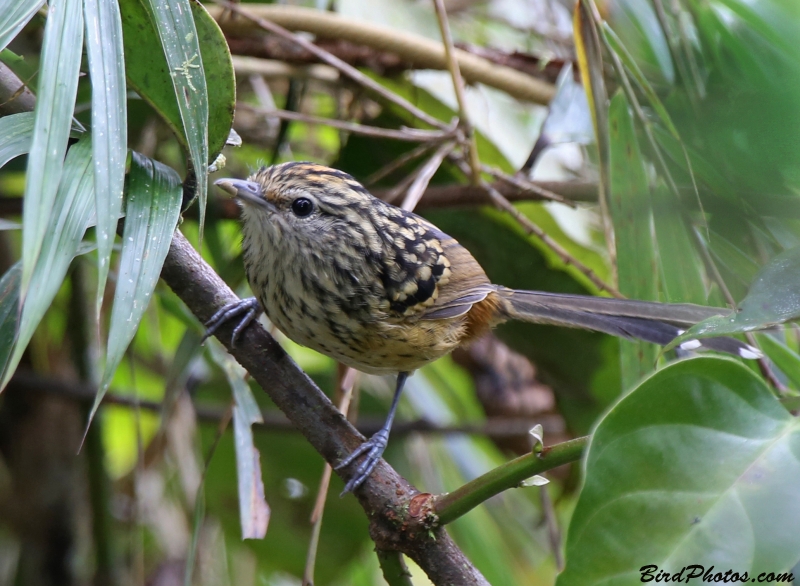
(385, 496)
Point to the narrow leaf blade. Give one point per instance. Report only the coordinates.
(15, 14)
(254, 512)
(16, 135)
(109, 125)
(151, 216)
(173, 19)
(58, 84)
(631, 213)
(72, 212)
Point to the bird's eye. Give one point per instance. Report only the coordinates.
(302, 207)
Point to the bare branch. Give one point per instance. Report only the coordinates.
(348, 70)
(385, 495)
(423, 53)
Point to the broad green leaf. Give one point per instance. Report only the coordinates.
(698, 465)
(181, 47)
(152, 80)
(151, 216)
(14, 14)
(109, 125)
(9, 311)
(72, 213)
(58, 84)
(254, 511)
(631, 213)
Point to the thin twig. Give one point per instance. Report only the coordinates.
(397, 163)
(553, 530)
(458, 86)
(531, 228)
(420, 184)
(346, 386)
(525, 185)
(406, 134)
(345, 68)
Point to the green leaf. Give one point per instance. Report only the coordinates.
(254, 512)
(681, 269)
(151, 216)
(181, 47)
(16, 134)
(631, 213)
(773, 299)
(109, 125)
(9, 311)
(58, 84)
(151, 77)
(590, 64)
(14, 14)
(786, 359)
(72, 213)
(698, 465)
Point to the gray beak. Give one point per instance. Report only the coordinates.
(247, 191)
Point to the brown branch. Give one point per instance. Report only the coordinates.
(435, 196)
(422, 52)
(15, 97)
(269, 48)
(252, 19)
(385, 496)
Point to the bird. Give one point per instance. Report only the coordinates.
(385, 291)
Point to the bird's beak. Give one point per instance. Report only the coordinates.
(246, 191)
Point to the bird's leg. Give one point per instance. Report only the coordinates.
(375, 445)
(250, 307)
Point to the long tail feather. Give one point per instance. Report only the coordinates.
(658, 323)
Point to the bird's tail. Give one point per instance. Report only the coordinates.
(658, 323)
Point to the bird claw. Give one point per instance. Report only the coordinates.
(250, 307)
(374, 448)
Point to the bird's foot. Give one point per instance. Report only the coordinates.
(374, 448)
(249, 307)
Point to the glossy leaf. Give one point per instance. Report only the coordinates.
(698, 465)
(151, 216)
(773, 299)
(14, 14)
(58, 83)
(72, 213)
(152, 80)
(631, 213)
(181, 47)
(109, 125)
(254, 512)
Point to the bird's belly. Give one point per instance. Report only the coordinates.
(379, 347)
